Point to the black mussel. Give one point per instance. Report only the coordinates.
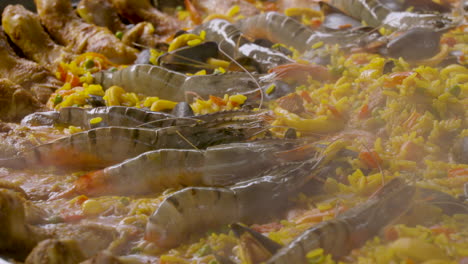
(415, 44)
(95, 100)
(189, 59)
(268, 44)
(182, 109)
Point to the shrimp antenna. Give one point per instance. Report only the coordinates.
(186, 140)
(244, 69)
(140, 45)
(168, 119)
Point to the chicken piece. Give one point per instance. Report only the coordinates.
(53, 251)
(69, 30)
(27, 74)
(16, 102)
(143, 34)
(18, 238)
(141, 10)
(25, 30)
(91, 238)
(100, 13)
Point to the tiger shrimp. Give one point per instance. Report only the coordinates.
(231, 41)
(193, 210)
(129, 117)
(155, 171)
(157, 81)
(375, 14)
(107, 116)
(279, 28)
(101, 147)
(355, 226)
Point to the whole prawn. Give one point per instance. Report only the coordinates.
(352, 228)
(101, 147)
(109, 116)
(279, 28)
(124, 116)
(231, 41)
(193, 210)
(158, 81)
(375, 14)
(220, 165)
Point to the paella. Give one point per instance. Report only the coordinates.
(236, 131)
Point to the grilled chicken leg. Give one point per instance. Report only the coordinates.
(102, 13)
(15, 102)
(17, 238)
(141, 10)
(69, 30)
(25, 30)
(27, 74)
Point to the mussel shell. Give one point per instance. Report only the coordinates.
(415, 44)
(189, 59)
(95, 100)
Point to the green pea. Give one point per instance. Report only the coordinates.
(89, 64)
(119, 34)
(455, 90)
(58, 99)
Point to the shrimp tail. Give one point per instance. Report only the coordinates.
(91, 183)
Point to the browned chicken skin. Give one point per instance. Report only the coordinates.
(18, 238)
(100, 13)
(69, 30)
(15, 102)
(53, 251)
(24, 29)
(141, 10)
(27, 74)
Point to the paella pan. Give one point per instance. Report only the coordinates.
(241, 131)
